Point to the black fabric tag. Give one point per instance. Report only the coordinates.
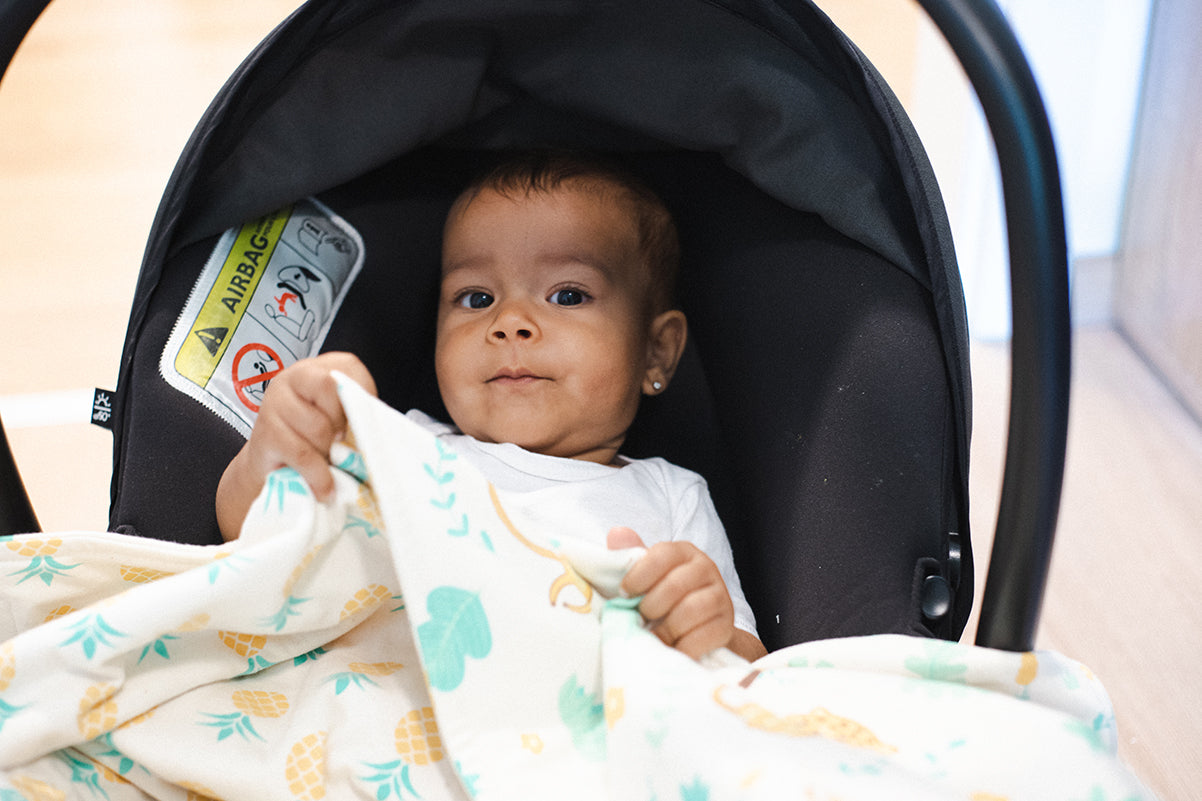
(102, 408)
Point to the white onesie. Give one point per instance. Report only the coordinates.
(658, 500)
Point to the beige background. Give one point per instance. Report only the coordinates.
(102, 98)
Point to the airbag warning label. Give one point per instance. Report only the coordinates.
(265, 299)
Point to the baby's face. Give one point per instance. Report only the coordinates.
(542, 330)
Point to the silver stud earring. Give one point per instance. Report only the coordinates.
(656, 386)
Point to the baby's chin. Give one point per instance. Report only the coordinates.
(569, 446)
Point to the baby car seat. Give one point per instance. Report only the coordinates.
(825, 391)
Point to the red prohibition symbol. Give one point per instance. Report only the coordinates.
(264, 365)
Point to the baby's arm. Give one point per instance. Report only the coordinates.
(685, 598)
(300, 418)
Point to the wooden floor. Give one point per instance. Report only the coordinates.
(91, 121)
(1125, 591)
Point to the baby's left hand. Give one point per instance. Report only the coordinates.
(684, 596)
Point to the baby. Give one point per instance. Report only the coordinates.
(555, 316)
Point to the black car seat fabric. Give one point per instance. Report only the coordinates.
(824, 393)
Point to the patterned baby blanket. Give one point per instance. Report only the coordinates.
(427, 637)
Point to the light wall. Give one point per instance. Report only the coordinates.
(1158, 291)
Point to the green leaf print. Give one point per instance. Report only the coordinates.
(232, 723)
(356, 523)
(354, 465)
(281, 484)
(89, 632)
(444, 497)
(462, 529)
(345, 679)
(457, 629)
(1091, 734)
(938, 664)
(444, 502)
(584, 715)
(289, 609)
(7, 711)
(442, 477)
(82, 772)
(391, 779)
(231, 562)
(116, 760)
(311, 656)
(159, 646)
(47, 568)
(697, 791)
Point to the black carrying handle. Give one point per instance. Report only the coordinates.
(1041, 341)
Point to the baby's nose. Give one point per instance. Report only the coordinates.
(513, 322)
(516, 333)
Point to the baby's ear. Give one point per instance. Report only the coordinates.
(665, 343)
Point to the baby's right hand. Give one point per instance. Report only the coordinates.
(300, 418)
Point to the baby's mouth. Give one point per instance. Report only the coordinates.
(515, 376)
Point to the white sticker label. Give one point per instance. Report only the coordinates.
(265, 299)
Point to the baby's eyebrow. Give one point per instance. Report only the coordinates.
(565, 260)
(578, 260)
(471, 262)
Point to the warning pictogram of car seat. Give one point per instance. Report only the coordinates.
(254, 367)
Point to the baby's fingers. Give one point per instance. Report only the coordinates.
(703, 637)
(310, 398)
(684, 597)
(301, 442)
(677, 609)
(350, 365)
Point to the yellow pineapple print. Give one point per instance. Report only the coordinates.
(97, 711)
(299, 570)
(145, 716)
(419, 744)
(197, 623)
(375, 668)
(35, 546)
(42, 564)
(110, 775)
(367, 598)
(261, 703)
(615, 705)
(246, 645)
(36, 790)
(249, 703)
(142, 575)
(57, 612)
(291, 603)
(198, 792)
(8, 665)
(360, 675)
(306, 766)
(366, 501)
(1028, 669)
(417, 738)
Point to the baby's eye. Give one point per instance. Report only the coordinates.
(475, 300)
(568, 297)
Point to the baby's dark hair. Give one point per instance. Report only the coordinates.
(546, 170)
